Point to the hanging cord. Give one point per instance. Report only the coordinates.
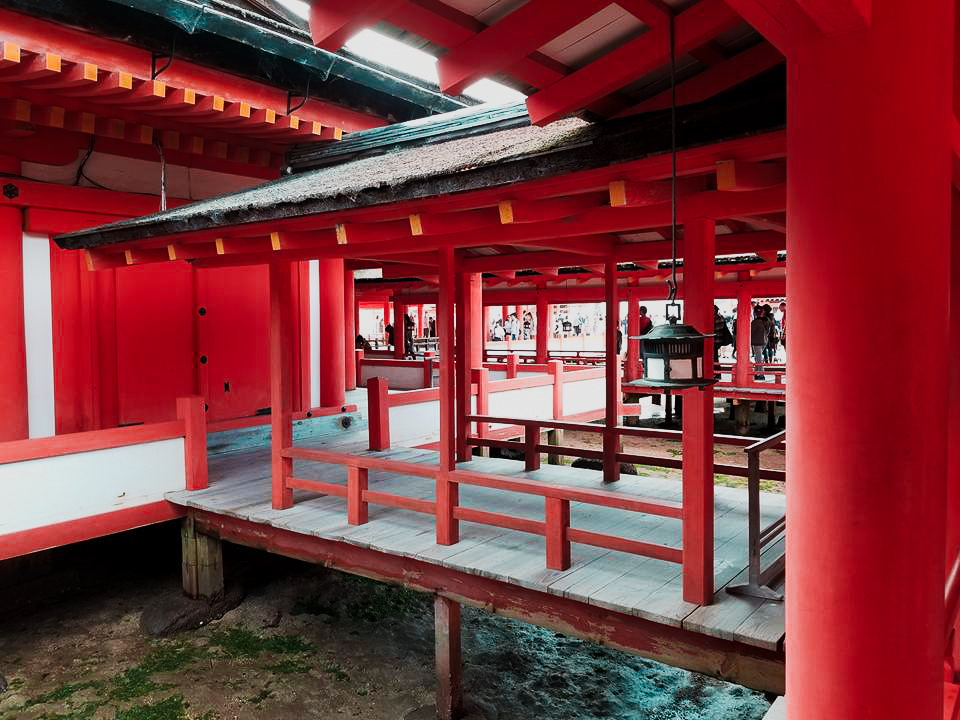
(672, 282)
(163, 175)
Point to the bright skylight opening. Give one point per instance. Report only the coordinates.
(391, 53)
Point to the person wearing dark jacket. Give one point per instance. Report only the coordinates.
(721, 333)
(759, 333)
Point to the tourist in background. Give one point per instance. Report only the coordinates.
(759, 333)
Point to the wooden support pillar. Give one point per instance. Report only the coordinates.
(953, 391)
(865, 558)
(953, 412)
(350, 331)
(378, 413)
(281, 382)
(192, 411)
(611, 439)
(743, 370)
(332, 323)
(632, 365)
(447, 492)
(399, 320)
(446, 615)
(13, 362)
(543, 324)
(202, 563)
(469, 352)
(699, 251)
(481, 377)
(554, 437)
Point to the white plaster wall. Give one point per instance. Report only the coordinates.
(398, 378)
(584, 395)
(534, 403)
(414, 424)
(57, 489)
(38, 331)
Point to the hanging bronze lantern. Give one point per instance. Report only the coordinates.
(673, 356)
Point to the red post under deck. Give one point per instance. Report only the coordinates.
(447, 493)
(449, 658)
(332, 337)
(350, 332)
(281, 382)
(744, 318)
(699, 238)
(611, 468)
(13, 364)
(543, 327)
(868, 181)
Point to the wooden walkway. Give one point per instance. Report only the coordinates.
(625, 583)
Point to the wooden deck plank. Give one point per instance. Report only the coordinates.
(642, 586)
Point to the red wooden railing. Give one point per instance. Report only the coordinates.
(533, 448)
(556, 526)
(570, 357)
(379, 399)
(427, 365)
(190, 425)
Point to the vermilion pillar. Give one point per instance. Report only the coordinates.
(953, 406)
(350, 332)
(332, 350)
(699, 238)
(633, 331)
(543, 323)
(13, 363)
(611, 440)
(469, 312)
(868, 181)
(447, 493)
(281, 382)
(743, 372)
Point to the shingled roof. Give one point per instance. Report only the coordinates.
(497, 158)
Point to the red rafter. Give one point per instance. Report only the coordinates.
(511, 39)
(631, 61)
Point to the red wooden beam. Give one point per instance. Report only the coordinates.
(652, 12)
(449, 27)
(714, 80)
(521, 261)
(439, 223)
(782, 23)
(834, 17)
(735, 175)
(509, 40)
(528, 211)
(333, 23)
(631, 61)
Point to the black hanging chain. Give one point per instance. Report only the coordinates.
(672, 283)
